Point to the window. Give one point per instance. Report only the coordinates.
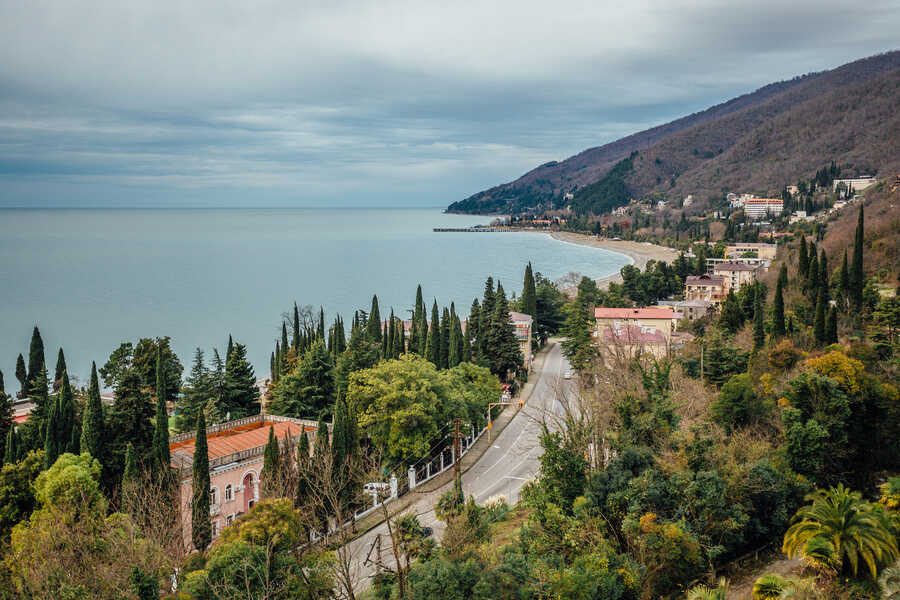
(229, 520)
(213, 493)
(229, 496)
(215, 528)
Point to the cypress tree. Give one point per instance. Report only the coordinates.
(454, 345)
(323, 443)
(161, 457)
(831, 333)
(465, 354)
(271, 464)
(819, 322)
(823, 278)
(857, 277)
(230, 347)
(321, 328)
(778, 326)
(529, 294)
(295, 344)
(60, 369)
(445, 339)
(399, 339)
(201, 528)
(22, 376)
(340, 437)
(10, 454)
(66, 418)
(783, 275)
(35, 357)
(272, 368)
(385, 342)
(844, 284)
(472, 333)
(803, 260)
(129, 476)
(390, 328)
(51, 447)
(92, 430)
(484, 324)
(759, 333)
(284, 338)
(373, 325)
(433, 341)
(303, 458)
(812, 279)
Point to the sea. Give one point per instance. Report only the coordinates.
(91, 279)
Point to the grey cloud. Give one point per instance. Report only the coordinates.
(319, 102)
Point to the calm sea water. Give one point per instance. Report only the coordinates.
(91, 279)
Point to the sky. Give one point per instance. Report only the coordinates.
(302, 103)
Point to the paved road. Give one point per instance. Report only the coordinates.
(511, 460)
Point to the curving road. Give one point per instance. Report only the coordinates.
(510, 461)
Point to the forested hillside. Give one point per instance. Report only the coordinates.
(755, 142)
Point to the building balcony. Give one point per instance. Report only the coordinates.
(214, 509)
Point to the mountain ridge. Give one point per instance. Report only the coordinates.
(680, 147)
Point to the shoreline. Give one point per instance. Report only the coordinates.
(639, 253)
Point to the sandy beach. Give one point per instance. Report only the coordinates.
(639, 252)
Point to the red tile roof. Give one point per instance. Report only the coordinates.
(245, 437)
(704, 280)
(633, 313)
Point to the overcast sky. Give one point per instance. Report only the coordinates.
(272, 103)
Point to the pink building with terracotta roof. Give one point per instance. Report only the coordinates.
(235, 461)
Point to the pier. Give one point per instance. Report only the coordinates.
(468, 229)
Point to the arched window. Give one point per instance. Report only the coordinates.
(213, 495)
(229, 495)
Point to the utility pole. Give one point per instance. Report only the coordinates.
(456, 449)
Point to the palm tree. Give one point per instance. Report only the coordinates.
(769, 587)
(703, 592)
(801, 589)
(839, 529)
(889, 582)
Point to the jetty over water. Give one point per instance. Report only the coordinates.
(469, 229)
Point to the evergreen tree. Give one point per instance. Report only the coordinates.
(198, 391)
(778, 326)
(503, 354)
(271, 465)
(340, 338)
(823, 278)
(414, 332)
(484, 324)
(465, 354)
(303, 458)
(284, 338)
(230, 348)
(161, 457)
(66, 441)
(201, 529)
(759, 333)
(241, 396)
(323, 443)
(454, 344)
(131, 417)
(390, 329)
(92, 429)
(130, 474)
(34, 430)
(819, 332)
(385, 342)
(831, 331)
(60, 369)
(529, 294)
(399, 338)
(51, 448)
(320, 331)
(844, 284)
(35, 356)
(22, 376)
(731, 318)
(295, 342)
(445, 339)
(373, 325)
(10, 454)
(308, 390)
(812, 279)
(857, 276)
(803, 259)
(433, 341)
(472, 331)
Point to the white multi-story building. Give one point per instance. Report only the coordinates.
(857, 184)
(759, 208)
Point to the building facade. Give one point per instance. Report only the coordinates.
(661, 319)
(709, 288)
(760, 249)
(236, 451)
(759, 208)
(735, 274)
(523, 324)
